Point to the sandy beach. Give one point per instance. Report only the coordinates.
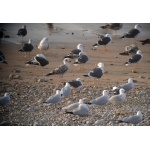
(26, 106)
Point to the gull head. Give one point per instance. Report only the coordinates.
(80, 47)
(139, 52)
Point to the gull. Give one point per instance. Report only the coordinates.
(96, 72)
(60, 70)
(39, 59)
(102, 100)
(27, 47)
(131, 49)
(22, 32)
(77, 84)
(113, 26)
(5, 99)
(146, 41)
(73, 106)
(65, 91)
(135, 58)
(75, 53)
(82, 110)
(118, 99)
(2, 58)
(103, 41)
(43, 45)
(134, 119)
(133, 33)
(83, 58)
(127, 86)
(54, 98)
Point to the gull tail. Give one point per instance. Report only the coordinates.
(69, 56)
(21, 50)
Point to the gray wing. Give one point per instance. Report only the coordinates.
(81, 111)
(116, 99)
(100, 100)
(97, 72)
(59, 70)
(126, 87)
(53, 99)
(135, 58)
(71, 107)
(82, 59)
(4, 100)
(75, 83)
(132, 119)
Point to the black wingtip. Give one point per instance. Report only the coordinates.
(68, 112)
(85, 75)
(124, 53)
(5, 62)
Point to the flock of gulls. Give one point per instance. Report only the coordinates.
(80, 58)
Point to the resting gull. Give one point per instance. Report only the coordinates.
(102, 100)
(135, 58)
(43, 45)
(81, 110)
(113, 26)
(72, 106)
(2, 58)
(146, 41)
(5, 99)
(96, 72)
(54, 98)
(134, 119)
(118, 99)
(104, 41)
(75, 53)
(60, 70)
(27, 47)
(127, 86)
(131, 49)
(39, 59)
(133, 33)
(65, 91)
(77, 84)
(83, 58)
(22, 32)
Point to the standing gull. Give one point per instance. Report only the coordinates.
(2, 58)
(65, 91)
(82, 110)
(131, 49)
(27, 47)
(54, 98)
(22, 32)
(5, 99)
(127, 86)
(104, 41)
(75, 53)
(43, 45)
(133, 33)
(134, 119)
(60, 70)
(135, 58)
(83, 58)
(102, 100)
(96, 72)
(39, 59)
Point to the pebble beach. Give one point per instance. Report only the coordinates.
(29, 86)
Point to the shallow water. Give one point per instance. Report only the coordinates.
(62, 32)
